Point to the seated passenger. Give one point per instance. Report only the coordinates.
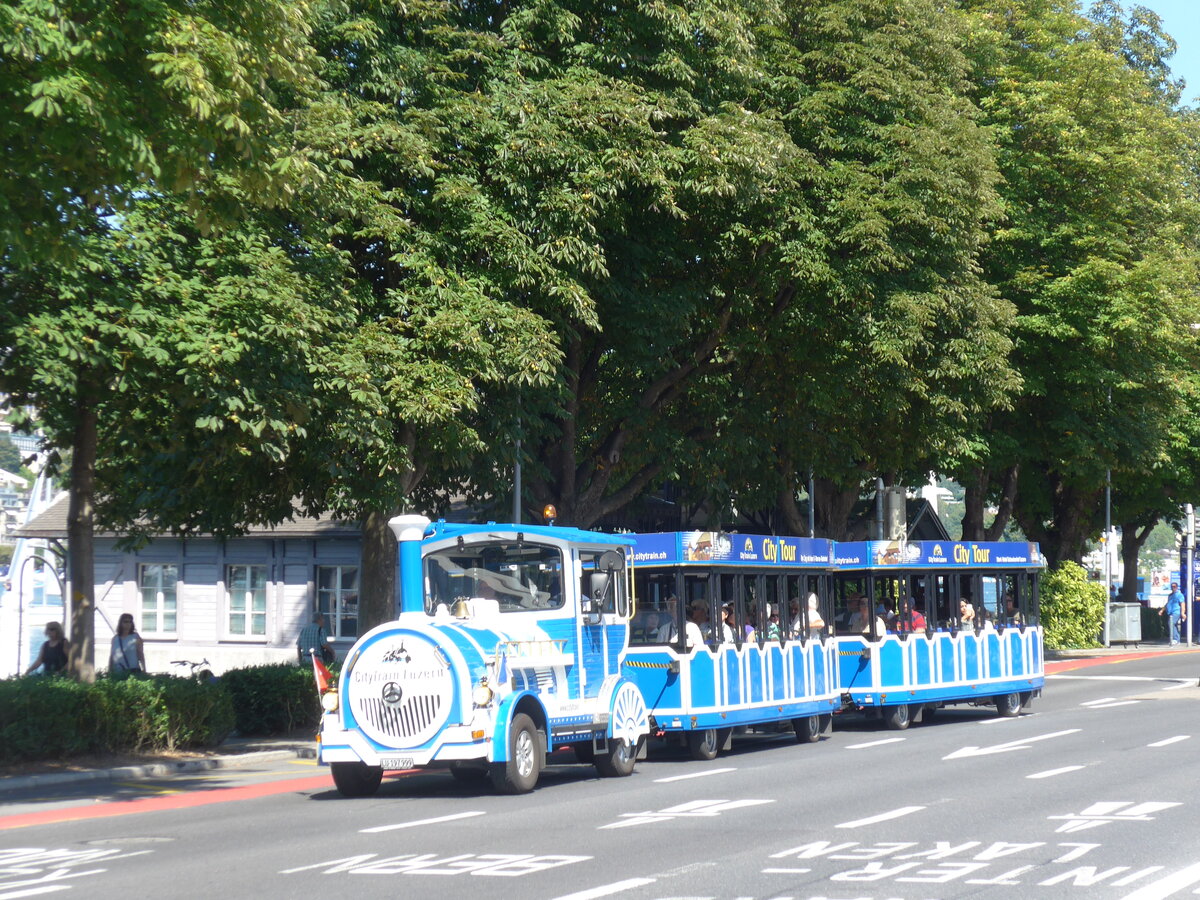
(815, 622)
(966, 613)
(727, 630)
(774, 632)
(697, 621)
(1011, 612)
(908, 618)
(668, 631)
(862, 620)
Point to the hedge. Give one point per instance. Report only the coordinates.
(1072, 608)
(52, 718)
(273, 699)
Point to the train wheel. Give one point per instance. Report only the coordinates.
(468, 773)
(1008, 705)
(356, 779)
(703, 744)
(617, 761)
(520, 773)
(896, 717)
(808, 729)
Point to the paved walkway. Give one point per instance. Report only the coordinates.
(249, 751)
(236, 751)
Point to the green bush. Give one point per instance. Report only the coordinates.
(1072, 608)
(273, 699)
(52, 718)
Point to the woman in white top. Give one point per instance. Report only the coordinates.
(127, 655)
(815, 622)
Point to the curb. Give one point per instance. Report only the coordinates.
(155, 770)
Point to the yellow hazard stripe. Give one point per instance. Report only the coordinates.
(645, 665)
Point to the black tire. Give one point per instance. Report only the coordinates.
(520, 773)
(617, 760)
(808, 729)
(585, 753)
(1008, 705)
(896, 717)
(469, 773)
(703, 744)
(356, 779)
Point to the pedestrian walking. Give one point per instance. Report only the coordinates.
(314, 638)
(127, 655)
(53, 655)
(1174, 611)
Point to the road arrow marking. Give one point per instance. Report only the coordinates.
(1022, 744)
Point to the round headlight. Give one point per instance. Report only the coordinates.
(329, 701)
(482, 695)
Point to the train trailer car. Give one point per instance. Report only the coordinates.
(925, 624)
(508, 645)
(729, 632)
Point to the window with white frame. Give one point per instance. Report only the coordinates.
(246, 603)
(337, 599)
(157, 584)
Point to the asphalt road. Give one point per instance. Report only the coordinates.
(1090, 795)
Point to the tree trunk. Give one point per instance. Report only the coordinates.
(377, 589)
(833, 507)
(1133, 539)
(81, 558)
(974, 500)
(1008, 499)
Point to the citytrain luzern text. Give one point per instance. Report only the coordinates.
(514, 641)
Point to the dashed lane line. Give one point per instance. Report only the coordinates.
(882, 817)
(381, 828)
(606, 890)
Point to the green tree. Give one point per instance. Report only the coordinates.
(1094, 252)
(11, 459)
(99, 98)
(179, 370)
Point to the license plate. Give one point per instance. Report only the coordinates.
(396, 762)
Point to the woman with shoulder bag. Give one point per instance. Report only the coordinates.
(127, 654)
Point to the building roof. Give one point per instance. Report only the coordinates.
(52, 523)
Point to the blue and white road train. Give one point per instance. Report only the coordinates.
(513, 641)
(508, 645)
(943, 623)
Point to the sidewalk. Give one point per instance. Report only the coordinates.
(236, 751)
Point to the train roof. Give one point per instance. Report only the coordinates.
(937, 555)
(730, 548)
(442, 529)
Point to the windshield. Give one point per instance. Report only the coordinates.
(519, 576)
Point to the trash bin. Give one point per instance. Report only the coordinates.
(1124, 623)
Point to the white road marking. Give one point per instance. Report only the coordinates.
(882, 817)
(1170, 740)
(1165, 887)
(874, 743)
(32, 892)
(693, 775)
(607, 889)
(1050, 773)
(1106, 811)
(378, 828)
(1111, 705)
(1022, 744)
(786, 871)
(1097, 702)
(691, 809)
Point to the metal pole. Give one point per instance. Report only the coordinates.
(1191, 576)
(879, 509)
(1107, 553)
(517, 486)
(812, 506)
